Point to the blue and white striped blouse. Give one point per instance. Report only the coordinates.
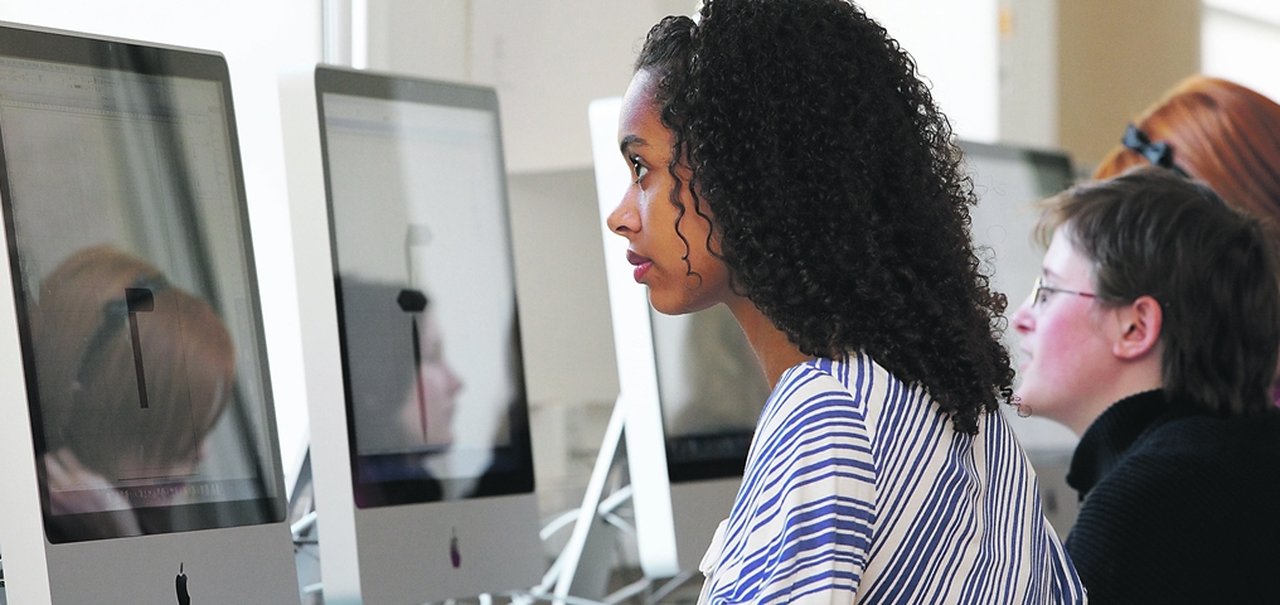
(858, 489)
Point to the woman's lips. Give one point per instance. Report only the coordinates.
(642, 265)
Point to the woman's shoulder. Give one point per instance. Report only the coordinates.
(853, 385)
(853, 372)
(849, 384)
(1200, 443)
(1154, 516)
(1190, 463)
(815, 386)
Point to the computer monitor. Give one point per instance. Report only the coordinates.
(1008, 181)
(407, 280)
(143, 465)
(692, 387)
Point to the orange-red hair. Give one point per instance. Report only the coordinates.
(1221, 133)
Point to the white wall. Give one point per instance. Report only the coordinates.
(1240, 41)
(259, 38)
(549, 59)
(428, 38)
(956, 48)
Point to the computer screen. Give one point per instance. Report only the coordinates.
(134, 285)
(413, 359)
(711, 391)
(425, 289)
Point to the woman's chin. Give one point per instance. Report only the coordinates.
(668, 305)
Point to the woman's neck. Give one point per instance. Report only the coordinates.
(775, 352)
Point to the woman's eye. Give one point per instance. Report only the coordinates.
(637, 168)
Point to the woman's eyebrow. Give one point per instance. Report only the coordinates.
(631, 140)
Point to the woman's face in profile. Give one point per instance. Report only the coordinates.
(1066, 354)
(432, 396)
(661, 237)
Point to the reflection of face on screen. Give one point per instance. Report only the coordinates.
(426, 292)
(133, 374)
(431, 401)
(137, 307)
(404, 390)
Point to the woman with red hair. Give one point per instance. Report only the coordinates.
(1216, 131)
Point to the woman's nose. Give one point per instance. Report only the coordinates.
(624, 220)
(454, 381)
(1023, 322)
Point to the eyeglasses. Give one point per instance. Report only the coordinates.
(1041, 292)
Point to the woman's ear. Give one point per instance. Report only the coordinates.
(1138, 326)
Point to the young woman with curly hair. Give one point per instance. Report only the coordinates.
(790, 164)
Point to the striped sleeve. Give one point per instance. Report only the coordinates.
(857, 488)
(802, 525)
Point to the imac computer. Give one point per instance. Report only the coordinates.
(692, 389)
(142, 463)
(423, 472)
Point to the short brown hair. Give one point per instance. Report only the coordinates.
(1211, 268)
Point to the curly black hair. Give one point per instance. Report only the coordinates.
(838, 200)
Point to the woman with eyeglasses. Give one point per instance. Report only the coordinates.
(1153, 334)
(789, 163)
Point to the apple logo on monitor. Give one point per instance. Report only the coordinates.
(455, 555)
(180, 584)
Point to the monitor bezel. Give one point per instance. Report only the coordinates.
(1060, 160)
(50, 46)
(516, 475)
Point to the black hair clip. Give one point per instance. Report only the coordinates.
(138, 298)
(1159, 153)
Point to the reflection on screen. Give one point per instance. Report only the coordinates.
(712, 390)
(141, 334)
(426, 296)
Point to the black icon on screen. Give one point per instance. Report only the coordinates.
(180, 585)
(414, 302)
(138, 300)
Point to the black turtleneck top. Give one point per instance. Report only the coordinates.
(1177, 505)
